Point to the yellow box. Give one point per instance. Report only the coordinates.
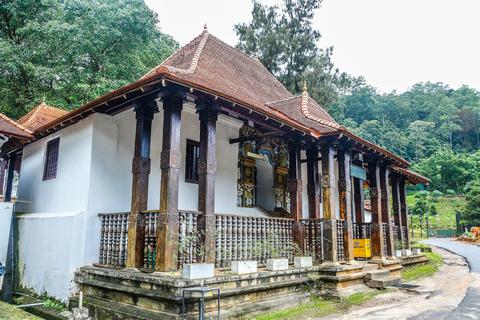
(362, 248)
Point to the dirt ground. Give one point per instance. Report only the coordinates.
(435, 297)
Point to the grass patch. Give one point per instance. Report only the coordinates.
(446, 207)
(318, 307)
(427, 270)
(361, 297)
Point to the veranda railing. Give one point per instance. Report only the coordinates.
(238, 238)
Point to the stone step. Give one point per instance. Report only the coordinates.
(377, 274)
(383, 283)
(370, 267)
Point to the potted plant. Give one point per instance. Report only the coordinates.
(245, 266)
(200, 269)
(398, 248)
(301, 258)
(276, 262)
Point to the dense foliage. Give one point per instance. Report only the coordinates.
(71, 51)
(285, 41)
(471, 214)
(432, 125)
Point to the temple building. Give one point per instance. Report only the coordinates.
(207, 145)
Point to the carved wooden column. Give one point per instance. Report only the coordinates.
(144, 112)
(295, 186)
(329, 222)
(396, 207)
(313, 182)
(208, 114)
(404, 210)
(376, 226)
(386, 213)
(170, 160)
(12, 159)
(359, 200)
(345, 198)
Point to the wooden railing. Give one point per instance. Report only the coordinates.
(314, 237)
(238, 238)
(340, 242)
(252, 238)
(384, 227)
(113, 239)
(362, 231)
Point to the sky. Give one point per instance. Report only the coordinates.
(393, 44)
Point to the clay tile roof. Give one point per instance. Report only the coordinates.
(304, 109)
(11, 128)
(210, 63)
(411, 176)
(40, 116)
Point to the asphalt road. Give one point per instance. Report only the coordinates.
(469, 308)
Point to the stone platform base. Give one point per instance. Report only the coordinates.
(392, 264)
(413, 260)
(128, 294)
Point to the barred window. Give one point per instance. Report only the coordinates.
(191, 165)
(51, 159)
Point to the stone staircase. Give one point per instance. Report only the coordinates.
(379, 278)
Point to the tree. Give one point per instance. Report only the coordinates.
(471, 213)
(284, 40)
(72, 51)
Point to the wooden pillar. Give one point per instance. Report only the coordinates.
(11, 169)
(144, 112)
(345, 198)
(359, 200)
(208, 114)
(170, 160)
(404, 210)
(329, 222)
(313, 182)
(396, 207)
(386, 212)
(376, 227)
(295, 186)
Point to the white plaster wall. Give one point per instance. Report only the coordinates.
(5, 223)
(52, 214)
(69, 190)
(51, 248)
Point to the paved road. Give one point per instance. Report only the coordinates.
(469, 308)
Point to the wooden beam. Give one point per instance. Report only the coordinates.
(396, 206)
(170, 162)
(376, 226)
(386, 212)
(295, 188)
(207, 109)
(359, 200)
(313, 181)
(258, 136)
(329, 222)
(144, 112)
(345, 198)
(404, 209)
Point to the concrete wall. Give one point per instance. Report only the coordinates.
(52, 214)
(5, 223)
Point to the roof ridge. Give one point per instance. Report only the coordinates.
(170, 68)
(196, 56)
(30, 115)
(14, 123)
(283, 100)
(308, 115)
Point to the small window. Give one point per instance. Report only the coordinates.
(51, 159)
(191, 166)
